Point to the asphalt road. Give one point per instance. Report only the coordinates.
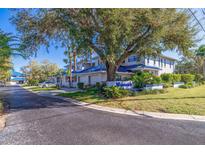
(33, 119)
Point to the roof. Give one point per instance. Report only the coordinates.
(64, 72)
(129, 68)
(93, 69)
(18, 74)
(167, 57)
(136, 66)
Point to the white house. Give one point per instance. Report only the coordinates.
(96, 70)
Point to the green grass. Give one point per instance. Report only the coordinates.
(36, 88)
(176, 100)
(1, 107)
(90, 96)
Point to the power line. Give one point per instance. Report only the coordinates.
(197, 19)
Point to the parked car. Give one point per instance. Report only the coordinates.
(47, 84)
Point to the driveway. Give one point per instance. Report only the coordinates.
(34, 119)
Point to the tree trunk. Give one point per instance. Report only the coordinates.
(70, 68)
(74, 59)
(111, 71)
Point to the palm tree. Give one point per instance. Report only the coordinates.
(8, 47)
(5, 53)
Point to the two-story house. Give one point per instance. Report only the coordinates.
(97, 71)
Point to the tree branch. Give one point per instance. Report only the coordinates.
(97, 50)
(133, 46)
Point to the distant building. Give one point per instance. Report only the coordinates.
(17, 77)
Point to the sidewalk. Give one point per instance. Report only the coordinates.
(129, 112)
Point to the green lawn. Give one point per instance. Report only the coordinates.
(1, 107)
(36, 88)
(184, 101)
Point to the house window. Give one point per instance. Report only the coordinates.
(161, 62)
(132, 58)
(154, 61)
(78, 79)
(170, 64)
(165, 62)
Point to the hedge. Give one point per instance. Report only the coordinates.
(187, 78)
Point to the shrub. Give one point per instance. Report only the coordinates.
(25, 85)
(101, 87)
(115, 92)
(112, 92)
(176, 78)
(183, 86)
(33, 82)
(140, 79)
(98, 85)
(190, 85)
(197, 84)
(167, 77)
(80, 85)
(155, 91)
(166, 85)
(187, 86)
(156, 80)
(187, 78)
(133, 93)
(199, 78)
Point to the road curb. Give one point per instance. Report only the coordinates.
(129, 112)
(133, 113)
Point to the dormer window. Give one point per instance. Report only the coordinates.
(132, 58)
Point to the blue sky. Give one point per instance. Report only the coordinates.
(55, 55)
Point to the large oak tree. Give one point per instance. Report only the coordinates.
(114, 34)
